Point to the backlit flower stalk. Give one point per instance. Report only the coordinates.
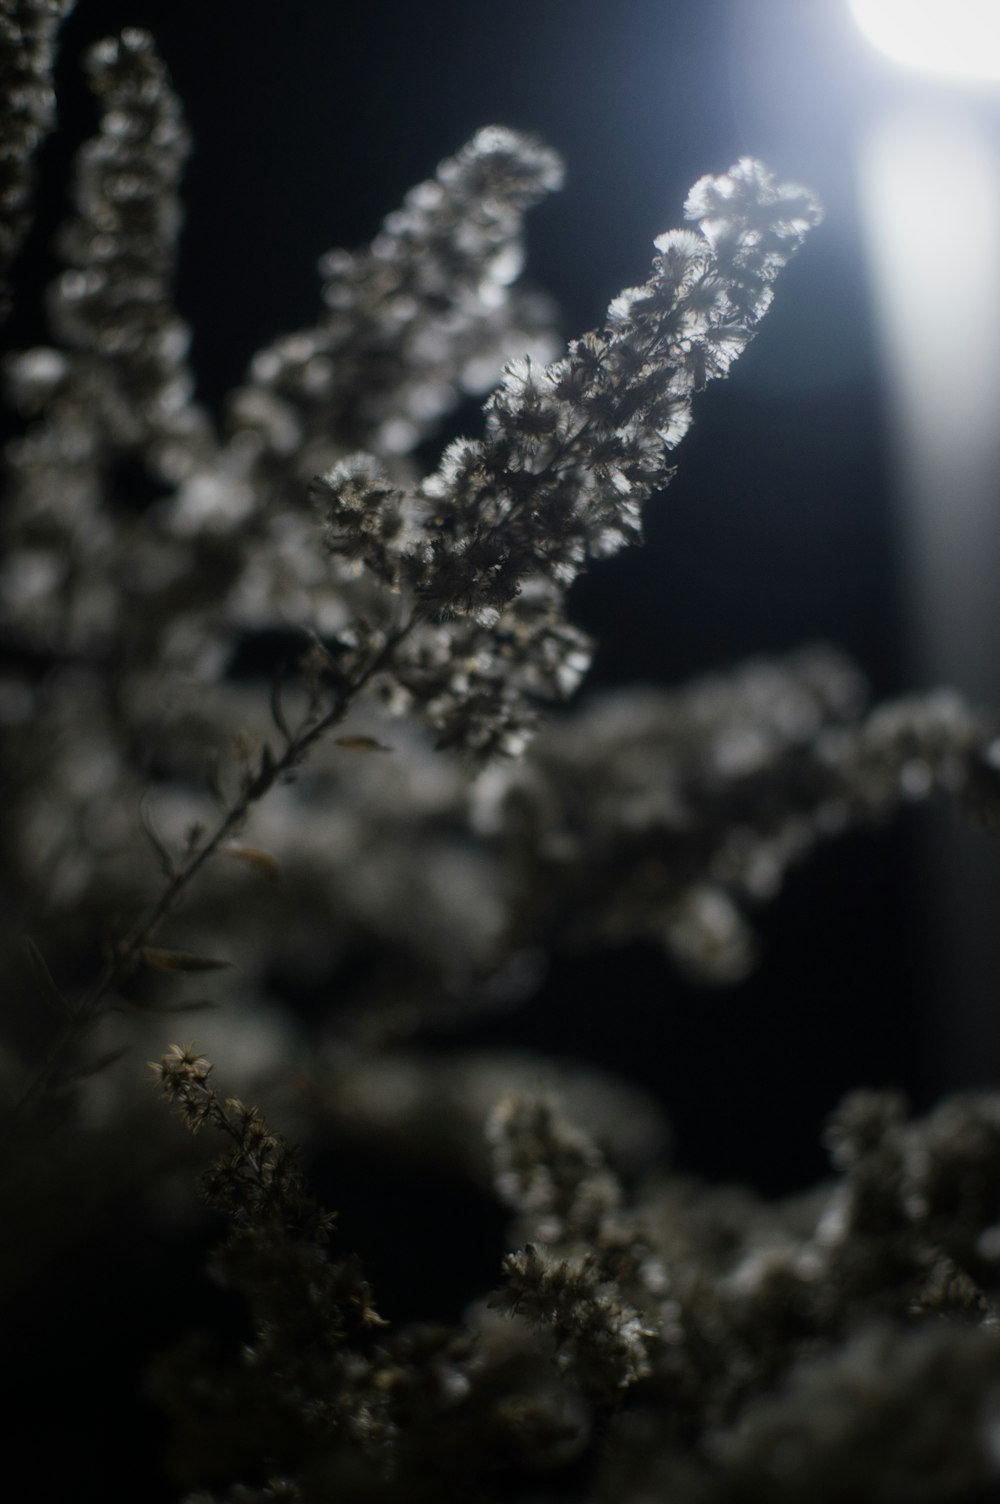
(480, 555)
(28, 30)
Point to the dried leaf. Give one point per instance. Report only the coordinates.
(261, 861)
(257, 784)
(278, 709)
(47, 988)
(361, 744)
(94, 1067)
(155, 840)
(317, 659)
(180, 960)
(193, 837)
(195, 1005)
(213, 777)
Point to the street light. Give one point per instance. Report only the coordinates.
(958, 38)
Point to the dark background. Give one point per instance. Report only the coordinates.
(311, 119)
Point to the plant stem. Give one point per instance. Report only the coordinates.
(126, 954)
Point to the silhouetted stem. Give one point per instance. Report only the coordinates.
(126, 954)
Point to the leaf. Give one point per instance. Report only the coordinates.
(43, 977)
(317, 659)
(278, 709)
(155, 840)
(195, 1005)
(94, 1067)
(256, 784)
(361, 744)
(193, 837)
(213, 777)
(180, 960)
(261, 861)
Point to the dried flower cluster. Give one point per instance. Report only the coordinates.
(571, 453)
(665, 815)
(698, 1343)
(270, 695)
(27, 113)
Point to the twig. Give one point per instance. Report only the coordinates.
(126, 954)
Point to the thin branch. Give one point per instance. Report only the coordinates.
(127, 953)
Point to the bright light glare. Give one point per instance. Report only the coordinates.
(930, 189)
(956, 37)
(931, 198)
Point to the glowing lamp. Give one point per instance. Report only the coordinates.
(958, 38)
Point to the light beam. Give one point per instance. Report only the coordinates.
(956, 38)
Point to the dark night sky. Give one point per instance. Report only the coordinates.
(312, 118)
